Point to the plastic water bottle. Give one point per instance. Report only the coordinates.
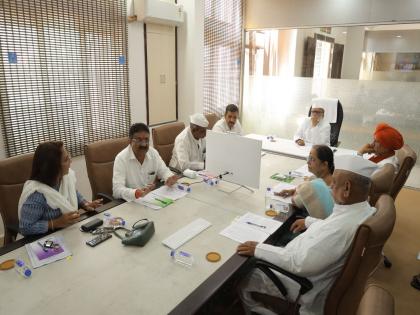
(283, 212)
(268, 200)
(182, 258)
(22, 269)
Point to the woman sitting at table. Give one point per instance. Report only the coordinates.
(314, 129)
(49, 199)
(320, 163)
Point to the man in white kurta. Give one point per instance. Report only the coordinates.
(314, 130)
(230, 122)
(190, 145)
(137, 167)
(319, 253)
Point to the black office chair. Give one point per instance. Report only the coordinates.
(335, 127)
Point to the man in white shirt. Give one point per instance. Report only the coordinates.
(314, 129)
(319, 253)
(137, 167)
(230, 122)
(190, 146)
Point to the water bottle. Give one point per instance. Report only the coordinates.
(268, 200)
(283, 212)
(182, 258)
(22, 269)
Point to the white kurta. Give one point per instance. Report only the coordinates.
(222, 126)
(393, 160)
(320, 134)
(130, 174)
(188, 152)
(317, 254)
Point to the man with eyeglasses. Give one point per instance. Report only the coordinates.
(137, 167)
(314, 129)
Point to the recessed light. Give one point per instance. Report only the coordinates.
(398, 36)
(344, 33)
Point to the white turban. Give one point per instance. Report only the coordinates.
(355, 164)
(199, 120)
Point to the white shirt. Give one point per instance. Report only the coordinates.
(188, 152)
(393, 160)
(320, 134)
(222, 126)
(318, 254)
(130, 174)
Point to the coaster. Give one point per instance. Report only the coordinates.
(7, 264)
(213, 257)
(271, 213)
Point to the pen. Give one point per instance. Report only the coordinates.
(261, 226)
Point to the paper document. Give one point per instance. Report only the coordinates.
(40, 255)
(250, 227)
(161, 197)
(302, 172)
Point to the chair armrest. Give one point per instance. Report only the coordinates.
(106, 198)
(305, 284)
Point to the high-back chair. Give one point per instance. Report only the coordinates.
(100, 158)
(407, 159)
(335, 127)
(14, 172)
(164, 139)
(376, 301)
(212, 118)
(364, 255)
(382, 181)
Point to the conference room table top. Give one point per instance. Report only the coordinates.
(288, 147)
(142, 280)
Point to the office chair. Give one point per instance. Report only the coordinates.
(376, 301)
(212, 118)
(14, 172)
(335, 127)
(381, 181)
(164, 139)
(365, 253)
(100, 158)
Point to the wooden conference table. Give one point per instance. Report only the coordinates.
(142, 280)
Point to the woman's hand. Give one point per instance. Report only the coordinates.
(171, 180)
(66, 219)
(285, 193)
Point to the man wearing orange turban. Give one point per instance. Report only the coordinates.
(386, 140)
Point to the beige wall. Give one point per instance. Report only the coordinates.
(300, 13)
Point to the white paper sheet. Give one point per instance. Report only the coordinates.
(41, 256)
(278, 188)
(267, 225)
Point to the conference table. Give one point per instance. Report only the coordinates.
(143, 280)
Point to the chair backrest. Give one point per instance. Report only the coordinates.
(100, 158)
(407, 159)
(212, 118)
(164, 139)
(335, 127)
(364, 255)
(381, 183)
(14, 172)
(376, 301)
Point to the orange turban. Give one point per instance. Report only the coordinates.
(388, 137)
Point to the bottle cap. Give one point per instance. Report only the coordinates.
(271, 213)
(28, 273)
(213, 257)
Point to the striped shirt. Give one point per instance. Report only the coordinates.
(36, 213)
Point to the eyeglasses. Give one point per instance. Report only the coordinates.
(317, 112)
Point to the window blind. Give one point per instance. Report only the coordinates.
(222, 54)
(63, 72)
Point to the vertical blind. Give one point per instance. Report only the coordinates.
(222, 54)
(63, 72)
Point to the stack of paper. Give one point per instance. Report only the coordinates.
(251, 227)
(40, 255)
(278, 188)
(162, 197)
(302, 172)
